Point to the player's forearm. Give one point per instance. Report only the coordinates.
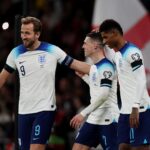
(3, 77)
(140, 84)
(80, 66)
(2, 83)
(97, 102)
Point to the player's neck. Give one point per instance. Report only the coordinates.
(35, 45)
(120, 44)
(97, 57)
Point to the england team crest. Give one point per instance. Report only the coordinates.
(42, 60)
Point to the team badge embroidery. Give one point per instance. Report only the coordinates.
(135, 56)
(107, 74)
(42, 60)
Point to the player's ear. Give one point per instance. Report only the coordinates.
(37, 34)
(96, 45)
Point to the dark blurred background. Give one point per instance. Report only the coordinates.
(65, 24)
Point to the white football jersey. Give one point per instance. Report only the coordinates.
(132, 78)
(109, 53)
(37, 76)
(102, 82)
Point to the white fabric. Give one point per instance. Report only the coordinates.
(132, 80)
(103, 97)
(37, 76)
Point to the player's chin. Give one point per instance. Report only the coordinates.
(26, 44)
(87, 54)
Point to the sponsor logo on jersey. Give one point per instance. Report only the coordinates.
(21, 62)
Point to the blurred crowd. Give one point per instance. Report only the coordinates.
(65, 24)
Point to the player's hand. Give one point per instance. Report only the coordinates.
(80, 74)
(134, 118)
(76, 121)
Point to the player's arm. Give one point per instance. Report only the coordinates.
(3, 77)
(72, 63)
(84, 77)
(100, 99)
(105, 75)
(76, 65)
(139, 75)
(136, 60)
(80, 66)
(109, 53)
(105, 84)
(8, 69)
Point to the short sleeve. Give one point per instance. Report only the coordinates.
(60, 54)
(103, 73)
(110, 54)
(11, 60)
(135, 58)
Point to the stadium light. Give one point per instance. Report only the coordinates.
(5, 25)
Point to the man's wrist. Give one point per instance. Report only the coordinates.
(83, 114)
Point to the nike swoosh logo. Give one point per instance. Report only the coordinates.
(132, 141)
(21, 62)
(34, 139)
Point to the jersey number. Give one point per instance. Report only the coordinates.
(22, 69)
(104, 139)
(37, 130)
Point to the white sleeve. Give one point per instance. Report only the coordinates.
(97, 102)
(109, 53)
(136, 60)
(59, 53)
(11, 60)
(86, 78)
(104, 85)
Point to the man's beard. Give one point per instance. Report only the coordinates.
(28, 44)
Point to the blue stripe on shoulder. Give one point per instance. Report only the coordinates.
(104, 63)
(44, 46)
(19, 50)
(126, 48)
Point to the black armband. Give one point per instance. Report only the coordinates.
(106, 82)
(67, 61)
(9, 69)
(137, 64)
